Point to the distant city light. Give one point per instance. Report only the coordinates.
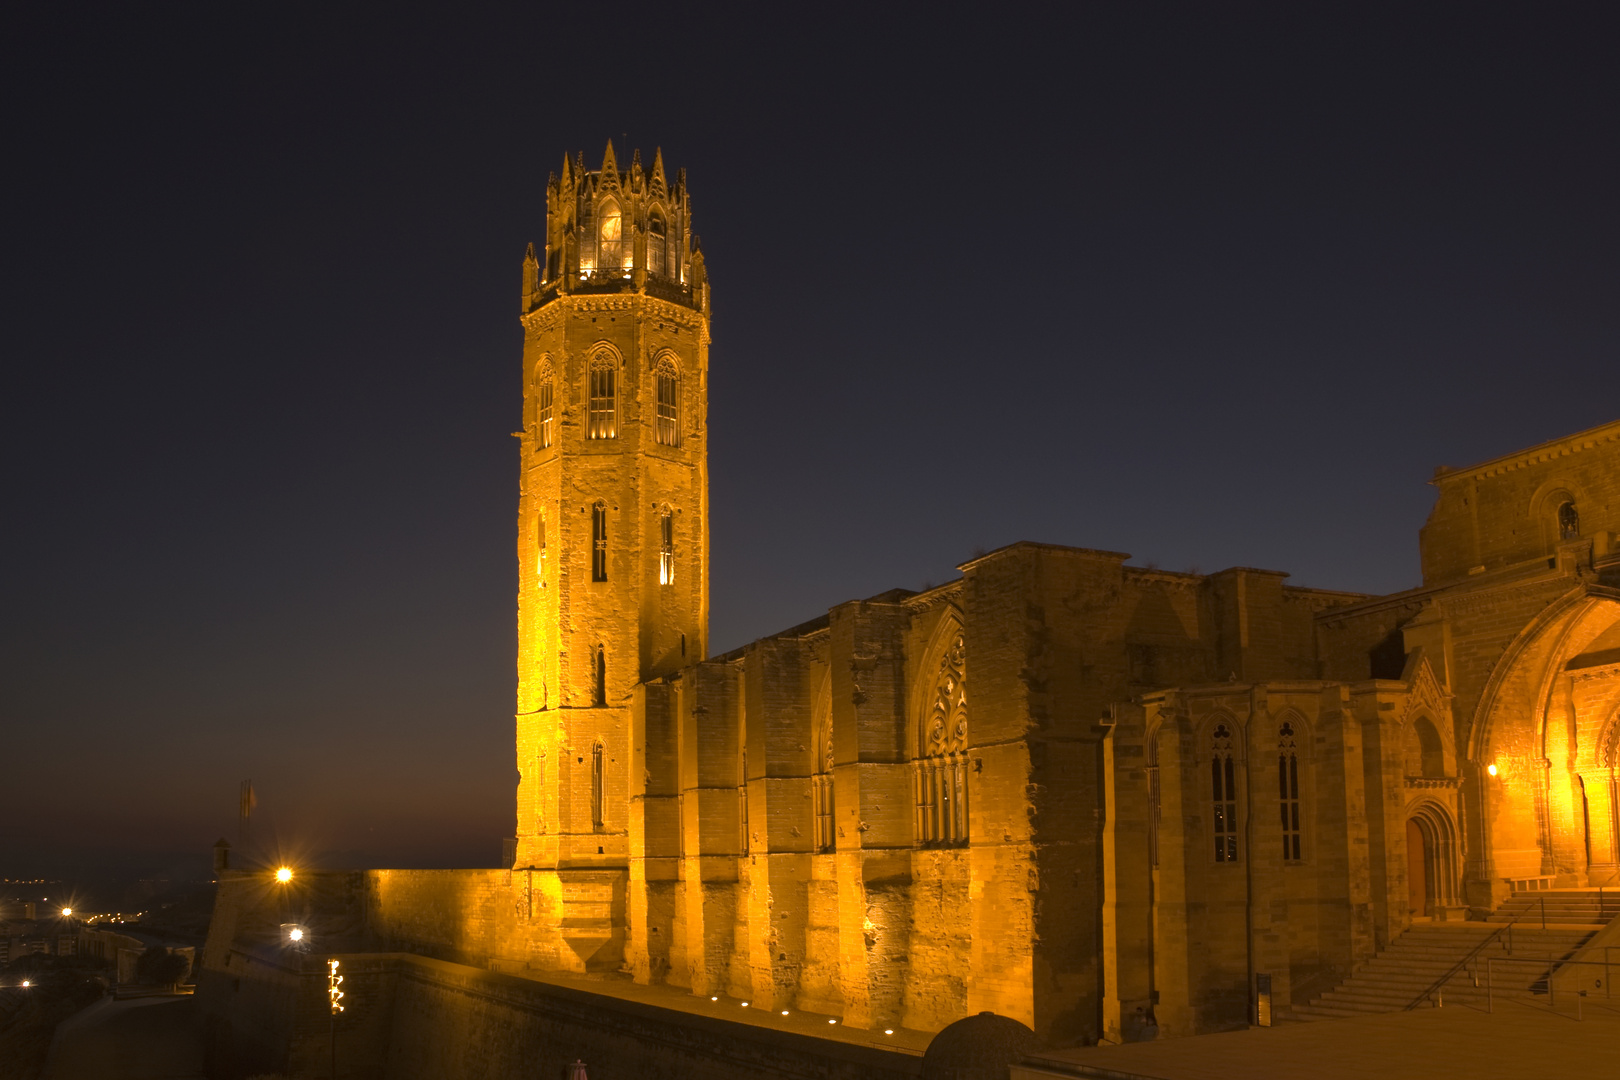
(66, 912)
(284, 874)
(26, 984)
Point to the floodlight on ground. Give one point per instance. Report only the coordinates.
(1491, 768)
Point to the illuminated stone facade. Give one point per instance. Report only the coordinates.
(1103, 800)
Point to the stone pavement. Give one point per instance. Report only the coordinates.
(152, 1038)
(1520, 1039)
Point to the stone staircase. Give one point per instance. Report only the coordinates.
(1560, 907)
(1407, 970)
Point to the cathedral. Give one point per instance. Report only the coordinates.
(1109, 802)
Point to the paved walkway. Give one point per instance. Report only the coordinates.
(154, 1038)
(1518, 1040)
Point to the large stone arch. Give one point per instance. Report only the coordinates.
(1545, 813)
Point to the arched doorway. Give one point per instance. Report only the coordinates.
(1431, 859)
(1417, 869)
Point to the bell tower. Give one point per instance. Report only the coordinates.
(613, 525)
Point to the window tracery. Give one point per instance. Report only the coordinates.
(941, 767)
(544, 393)
(821, 783)
(609, 237)
(668, 431)
(601, 416)
(656, 241)
(1569, 521)
(1288, 791)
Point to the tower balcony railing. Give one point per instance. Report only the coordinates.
(612, 281)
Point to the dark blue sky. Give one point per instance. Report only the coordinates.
(1210, 284)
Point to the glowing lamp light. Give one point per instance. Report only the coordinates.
(284, 874)
(716, 998)
(784, 1012)
(745, 1004)
(296, 933)
(66, 912)
(888, 1031)
(26, 984)
(1491, 768)
(832, 1021)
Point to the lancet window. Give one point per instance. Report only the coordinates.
(940, 775)
(656, 252)
(599, 542)
(1288, 791)
(601, 418)
(598, 778)
(544, 393)
(1223, 794)
(666, 546)
(669, 404)
(609, 237)
(821, 786)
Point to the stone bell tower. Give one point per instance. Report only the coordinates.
(613, 522)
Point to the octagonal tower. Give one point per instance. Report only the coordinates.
(613, 527)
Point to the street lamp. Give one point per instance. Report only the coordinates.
(284, 874)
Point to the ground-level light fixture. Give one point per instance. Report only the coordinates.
(784, 1012)
(832, 1021)
(1491, 768)
(888, 1031)
(284, 874)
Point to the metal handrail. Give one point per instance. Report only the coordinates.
(1436, 986)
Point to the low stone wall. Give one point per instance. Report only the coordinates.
(414, 1018)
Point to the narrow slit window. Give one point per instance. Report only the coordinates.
(540, 548)
(599, 542)
(1153, 800)
(597, 783)
(669, 405)
(742, 800)
(1288, 792)
(666, 547)
(1223, 790)
(601, 421)
(599, 677)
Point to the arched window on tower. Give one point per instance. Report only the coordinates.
(1288, 790)
(599, 542)
(1223, 794)
(666, 546)
(1569, 521)
(609, 237)
(940, 772)
(544, 394)
(668, 432)
(598, 779)
(656, 250)
(601, 421)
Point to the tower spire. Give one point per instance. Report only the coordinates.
(610, 167)
(659, 187)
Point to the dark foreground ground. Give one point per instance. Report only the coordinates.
(155, 1038)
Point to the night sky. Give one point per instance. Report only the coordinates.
(1213, 284)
